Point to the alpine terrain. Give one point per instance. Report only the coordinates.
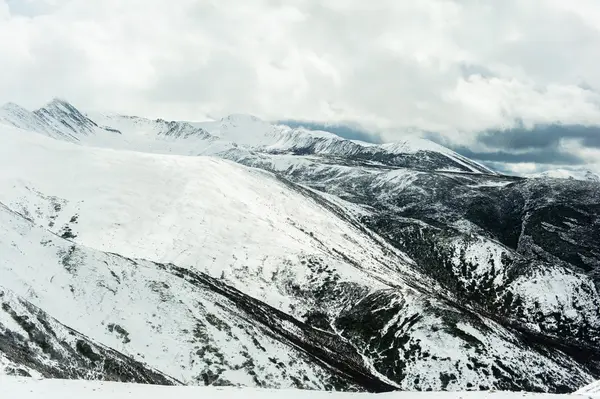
(240, 252)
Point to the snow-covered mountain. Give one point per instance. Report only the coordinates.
(58, 119)
(318, 262)
(585, 175)
(279, 139)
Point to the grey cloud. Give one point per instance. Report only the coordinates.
(542, 136)
(468, 69)
(552, 157)
(523, 147)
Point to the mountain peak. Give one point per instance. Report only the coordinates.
(10, 106)
(58, 103)
(65, 118)
(589, 175)
(17, 116)
(241, 118)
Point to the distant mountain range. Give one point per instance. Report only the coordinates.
(568, 174)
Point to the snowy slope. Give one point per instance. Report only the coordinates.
(63, 117)
(34, 343)
(592, 389)
(349, 266)
(522, 250)
(57, 119)
(26, 388)
(273, 241)
(567, 174)
(154, 136)
(14, 115)
(141, 309)
(215, 217)
(203, 213)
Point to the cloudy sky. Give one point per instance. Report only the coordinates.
(513, 83)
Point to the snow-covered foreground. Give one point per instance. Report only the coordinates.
(591, 390)
(27, 388)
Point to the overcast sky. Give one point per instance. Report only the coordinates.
(515, 82)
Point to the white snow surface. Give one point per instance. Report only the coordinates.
(28, 388)
(163, 316)
(584, 175)
(552, 289)
(199, 212)
(592, 389)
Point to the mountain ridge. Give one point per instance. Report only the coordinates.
(270, 138)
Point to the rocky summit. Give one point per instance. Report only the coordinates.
(240, 252)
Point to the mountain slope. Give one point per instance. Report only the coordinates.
(61, 116)
(34, 344)
(353, 266)
(14, 115)
(482, 236)
(153, 313)
(199, 212)
(273, 241)
(57, 119)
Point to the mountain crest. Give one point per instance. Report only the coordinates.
(10, 106)
(241, 118)
(58, 101)
(63, 117)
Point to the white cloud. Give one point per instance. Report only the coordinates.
(440, 65)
